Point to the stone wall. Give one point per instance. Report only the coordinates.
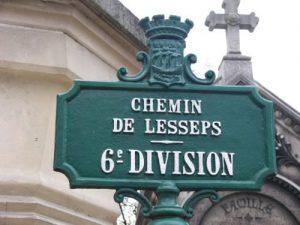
(45, 45)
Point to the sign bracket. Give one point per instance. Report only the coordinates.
(165, 64)
(166, 211)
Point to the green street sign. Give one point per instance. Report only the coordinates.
(113, 135)
(164, 125)
(164, 129)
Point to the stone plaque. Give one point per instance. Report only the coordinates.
(248, 209)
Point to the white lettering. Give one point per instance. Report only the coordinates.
(162, 161)
(196, 106)
(216, 128)
(205, 125)
(188, 157)
(118, 125)
(227, 162)
(128, 125)
(161, 105)
(148, 129)
(176, 163)
(194, 127)
(186, 106)
(134, 166)
(200, 163)
(148, 105)
(135, 104)
(172, 128)
(124, 125)
(161, 127)
(149, 169)
(174, 106)
(107, 164)
(191, 163)
(213, 160)
(183, 127)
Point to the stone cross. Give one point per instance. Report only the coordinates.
(232, 22)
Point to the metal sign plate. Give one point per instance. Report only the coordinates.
(113, 135)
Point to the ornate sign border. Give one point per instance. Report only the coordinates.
(76, 181)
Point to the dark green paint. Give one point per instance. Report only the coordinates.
(84, 128)
(84, 131)
(165, 63)
(166, 210)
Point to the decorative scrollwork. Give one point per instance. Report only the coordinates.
(209, 75)
(131, 193)
(286, 184)
(190, 204)
(141, 57)
(165, 63)
(284, 153)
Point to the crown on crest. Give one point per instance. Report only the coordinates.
(159, 27)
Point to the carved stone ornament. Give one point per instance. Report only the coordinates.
(232, 18)
(284, 154)
(248, 209)
(165, 63)
(232, 22)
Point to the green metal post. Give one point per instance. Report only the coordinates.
(167, 211)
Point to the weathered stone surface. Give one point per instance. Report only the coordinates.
(121, 17)
(248, 209)
(232, 22)
(234, 64)
(235, 68)
(44, 46)
(278, 202)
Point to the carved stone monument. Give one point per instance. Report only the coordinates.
(248, 208)
(234, 64)
(278, 202)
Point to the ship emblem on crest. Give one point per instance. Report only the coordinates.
(165, 64)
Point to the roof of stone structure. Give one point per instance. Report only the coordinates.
(284, 113)
(115, 13)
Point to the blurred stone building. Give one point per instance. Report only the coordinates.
(44, 46)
